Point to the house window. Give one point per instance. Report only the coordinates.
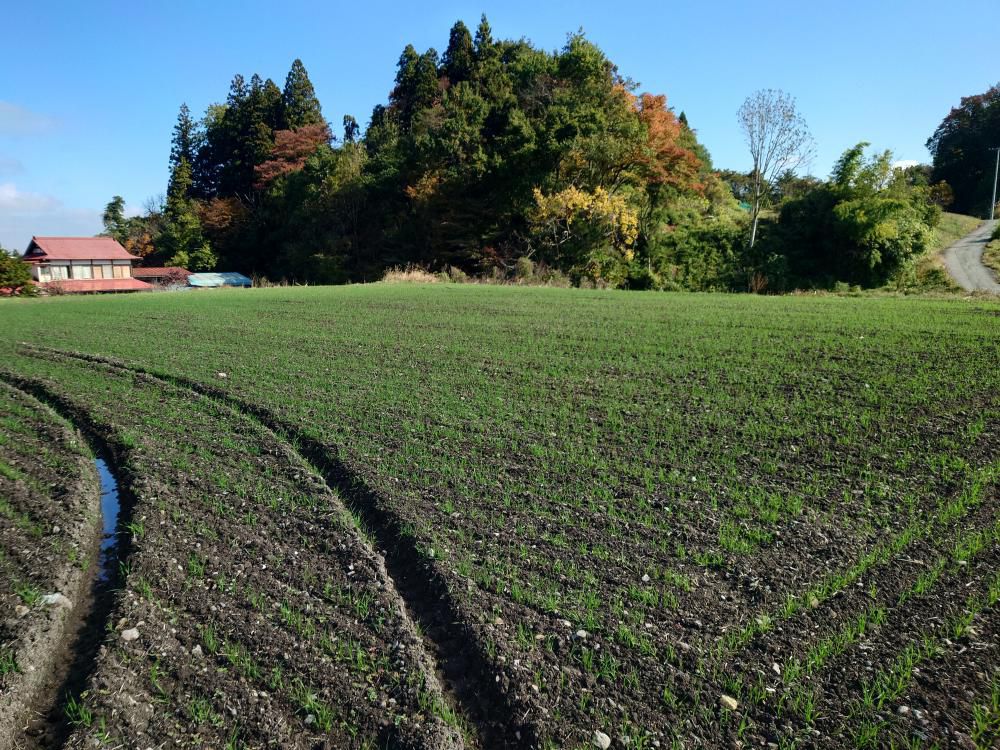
(44, 274)
(119, 272)
(59, 273)
(83, 272)
(101, 272)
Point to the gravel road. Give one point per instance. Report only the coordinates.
(964, 261)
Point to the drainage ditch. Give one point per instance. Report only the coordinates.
(108, 557)
(72, 663)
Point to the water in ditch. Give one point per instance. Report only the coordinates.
(110, 508)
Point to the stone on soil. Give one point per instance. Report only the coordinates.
(600, 740)
(57, 600)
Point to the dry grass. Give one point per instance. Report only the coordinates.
(410, 275)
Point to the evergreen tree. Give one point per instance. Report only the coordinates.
(300, 105)
(115, 223)
(416, 84)
(460, 55)
(426, 88)
(484, 46)
(402, 96)
(446, 172)
(183, 142)
(181, 242)
(351, 129)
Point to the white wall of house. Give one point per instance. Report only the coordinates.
(82, 269)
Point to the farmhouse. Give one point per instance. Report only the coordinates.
(82, 264)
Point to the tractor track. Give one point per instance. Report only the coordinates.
(465, 676)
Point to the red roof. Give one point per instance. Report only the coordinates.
(76, 248)
(98, 285)
(157, 272)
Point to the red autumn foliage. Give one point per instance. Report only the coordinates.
(290, 151)
(219, 214)
(664, 159)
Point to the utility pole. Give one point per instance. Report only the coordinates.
(996, 173)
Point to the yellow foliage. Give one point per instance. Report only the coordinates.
(609, 214)
(425, 189)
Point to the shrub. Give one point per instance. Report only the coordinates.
(641, 277)
(524, 268)
(15, 276)
(410, 275)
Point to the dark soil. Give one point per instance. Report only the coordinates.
(263, 617)
(514, 672)
(49, 522)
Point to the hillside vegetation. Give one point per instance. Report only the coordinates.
(926, 272)
(495, 154)
(663, 518)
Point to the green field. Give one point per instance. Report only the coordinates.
(680, 520)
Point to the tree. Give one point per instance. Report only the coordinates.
(591, 233)
(290, 151)
(860, 227)
(351, 129)
(416, 84)
(183, 144)
(15, 275)
(181, 242)
(115, 223)
(779, 142)
(500, 151)
(459, 57)
(483, 45)
(961, 147)
(300, 105)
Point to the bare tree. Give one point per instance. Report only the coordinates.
(779, 142)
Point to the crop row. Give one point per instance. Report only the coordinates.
(618, 492)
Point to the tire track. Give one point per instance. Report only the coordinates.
(445, 739)
(465, 675)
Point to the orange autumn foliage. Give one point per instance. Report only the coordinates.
(663, 159)
(290, 151)
(219, 214)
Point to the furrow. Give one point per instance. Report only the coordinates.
(64, 658)
(466, 676)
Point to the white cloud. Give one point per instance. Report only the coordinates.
(19, 201)
(905, 163)
(16, 120)
(24, 214)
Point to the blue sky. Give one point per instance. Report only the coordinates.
(89, 92)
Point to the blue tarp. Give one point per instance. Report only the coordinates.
(226, 278)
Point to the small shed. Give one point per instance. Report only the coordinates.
(224, 278)
(162, 276)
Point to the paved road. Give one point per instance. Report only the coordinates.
(964, 261)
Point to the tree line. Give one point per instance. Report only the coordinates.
(495, 157)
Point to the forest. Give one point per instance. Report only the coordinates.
(501, 160)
